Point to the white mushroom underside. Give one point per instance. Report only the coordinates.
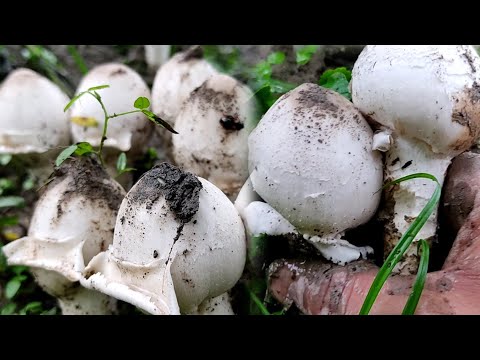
(261, 218)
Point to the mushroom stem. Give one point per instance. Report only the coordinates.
(87, 302)
(72, 298)
(404, 201)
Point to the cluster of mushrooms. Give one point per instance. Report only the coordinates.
(175, 242)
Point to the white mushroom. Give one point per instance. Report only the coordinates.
(219, 305)
(73, 220)
(176, 79)
(311, 159)
(32, 119)
(213, 127)
(125, 133)
(157, 55)
(427, 98)
(178, 242)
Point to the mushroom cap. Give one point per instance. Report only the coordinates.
(311, 159)
(32, 118)
(213, 128)
(127, 132)
(427, 92)
(174, 81)
(73, 220)
(178, 241)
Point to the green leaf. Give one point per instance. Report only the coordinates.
(52, 311)
(417, 289)
(28, 183)
(65, 154)
(338, 80)
(405, 241)
(8, 221)
(305, 54)
(8, 309)
(12, 287)
(159, 121)
(141, 103)
(5, 159)
(35, 307)
(19, 269)
(78, 59)
(83, 148)
(276, 58)
(121, 162)
(5, 185)
(148, 113)
(281, 87)
(75, 98)
(11, 201)
(100, 87)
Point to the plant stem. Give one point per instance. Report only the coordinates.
(105, 126)
(124, 113)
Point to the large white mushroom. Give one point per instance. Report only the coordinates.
(427, 100)
(311, 160)
(176, 79)
(213, 127)
(32, 120)
(178, 243)
(73, 220)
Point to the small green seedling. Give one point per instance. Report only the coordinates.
(141, 104)
(122, 164)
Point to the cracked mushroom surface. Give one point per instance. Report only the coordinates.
(426, 98)
(72, 222)
(311, 160)
(178, 242)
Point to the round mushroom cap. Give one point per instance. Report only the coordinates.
(311, 159)
(427, 92)
(172, 223)
(213, 128)
(125, 133)
(32, 119)
(174, 81)
(72, 222)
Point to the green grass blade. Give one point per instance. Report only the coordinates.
(78, 59)
(395, 256)
(258, 302)
(417, 289)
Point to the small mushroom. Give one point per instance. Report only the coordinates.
(219, 305)
(32, 120)
(73, 220)
(178, 242)
(157, 55)
(176, 79)
(213, 125)
(311, 160)
(427, 99)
